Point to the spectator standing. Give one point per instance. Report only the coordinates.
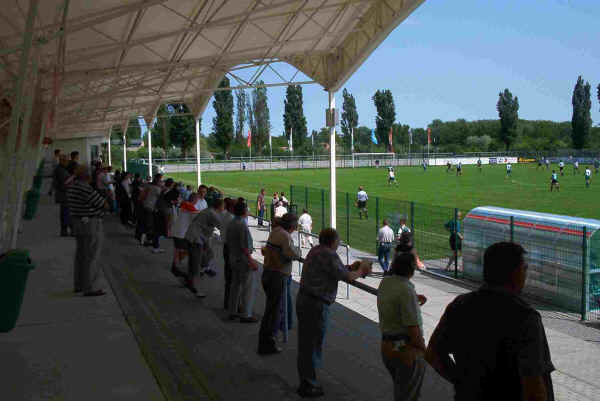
(198, 235)
(187, 211)
(125, 199)
(87, 207)
(73, 163)
(55, 163)
(61, 180)
(148, 199)
(385, 244)
(260, 206)
(166, 205)
(322, 270)
(401, 325)
(243, 266)
(201, 203)
(361, 203)
(284, 200)
(497, 340)
(406, 245)
(455, 240)
(403, 227)
(227, 217)
(305, 222)
(279, 253)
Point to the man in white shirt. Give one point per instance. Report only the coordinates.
(280, 210)
(561, 167)
(361, 202)
(508, 169)
(385, 243)
(305, 222)
(200, 201)
(391, 176)
(575, 167)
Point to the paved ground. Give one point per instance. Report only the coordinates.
(65, 346)
(150, 339)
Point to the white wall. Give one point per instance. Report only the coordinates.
(82, 145)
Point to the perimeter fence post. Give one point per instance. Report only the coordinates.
(456, 239)
(412, 218)
(584, 276)
(376, 220)
(347, 218)
(322, 209)
(291, 193)
(512, 228)
(306, 197)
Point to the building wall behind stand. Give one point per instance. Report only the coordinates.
(81, 145)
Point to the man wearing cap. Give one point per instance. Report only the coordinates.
(87, 207)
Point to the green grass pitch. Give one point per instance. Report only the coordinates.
(435, 194)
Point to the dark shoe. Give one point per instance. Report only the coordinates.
(233, 317)
(96, 293)
(210, 273)
(305, 391)
(190, 286)
(251, 319)
(178, 273)
(270, 351)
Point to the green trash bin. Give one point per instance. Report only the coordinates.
(14, 269)
(32, 200)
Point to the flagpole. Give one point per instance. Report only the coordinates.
(292, 140)
(271, 149)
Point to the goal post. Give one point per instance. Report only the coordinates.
(376, 159)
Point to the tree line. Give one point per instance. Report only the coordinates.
(249, 113)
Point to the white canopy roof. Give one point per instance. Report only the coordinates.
(110, 60)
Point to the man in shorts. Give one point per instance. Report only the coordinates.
(588, 176)
(575, 167)
(424, 165)
(391, 176)
(448, 166)
(458, 168)
(561, 166)
(508, 170)
(479, 164)
(547, 164)
(361, 203)
(596, 165)
(539, 166)
(554, 182)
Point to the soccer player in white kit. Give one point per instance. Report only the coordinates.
(561, 167)
(361, 203)
(588, 176)
(575, 167)
(508, 170)
(391, 176)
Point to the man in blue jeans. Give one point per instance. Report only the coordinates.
(385, 243)
(322, 270)
(260, 206)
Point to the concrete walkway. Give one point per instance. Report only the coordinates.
(65, 346)
(150, 339)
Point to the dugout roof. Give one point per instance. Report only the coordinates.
(105, 61)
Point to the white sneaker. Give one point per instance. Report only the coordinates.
(158, 250)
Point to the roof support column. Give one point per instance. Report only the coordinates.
(332, 164)
(124, 127)
(108, 147)
(149, 124)
(198, 165)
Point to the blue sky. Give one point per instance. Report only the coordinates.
(450, 59)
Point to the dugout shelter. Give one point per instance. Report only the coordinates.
(563, 253)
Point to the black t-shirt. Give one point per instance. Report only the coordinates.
(495, 338)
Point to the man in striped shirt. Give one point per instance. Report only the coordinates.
(87, 208)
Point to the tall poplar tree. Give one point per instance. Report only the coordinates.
(349, 117)
(582, 117)
(508, 110)
(261, 119)
(386, 115)
(223, 121)
(240, 114)
(294, 120)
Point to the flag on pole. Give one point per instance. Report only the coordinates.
(249, 142)
(390, 140)
(410, 136)
(373, 137)
(291, 140)
(429, 136)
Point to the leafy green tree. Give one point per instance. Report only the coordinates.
(508, 110)
(160, 130)
(349, 117)
(223, 121)
(582, 117)
(386, 114)
(182, 129)
(240, 114)
(260, 119)
(294, 121)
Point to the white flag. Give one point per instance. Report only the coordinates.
(291, 141)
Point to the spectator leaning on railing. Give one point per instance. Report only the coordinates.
(322, 270)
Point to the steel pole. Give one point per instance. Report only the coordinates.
(109, 153)
(125, 126)
(149, 150)
(332, 166)
(198, 166)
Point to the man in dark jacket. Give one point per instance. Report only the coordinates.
(62, 179)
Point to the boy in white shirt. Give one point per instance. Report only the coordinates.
(361, 203)
(588, 176)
